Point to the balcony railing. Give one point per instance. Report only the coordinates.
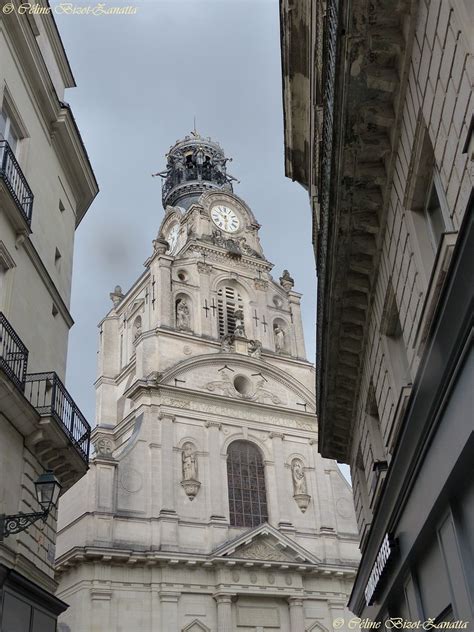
(49, 396)
(13, 354)
(15, 181)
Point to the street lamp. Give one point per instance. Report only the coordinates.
(47, 489)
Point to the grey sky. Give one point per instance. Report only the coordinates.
(141, 80)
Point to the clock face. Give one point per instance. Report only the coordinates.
(225, 219)
(172, 237)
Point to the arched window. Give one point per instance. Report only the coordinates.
(246, 483)
(228, 301)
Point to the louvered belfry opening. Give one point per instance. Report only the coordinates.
(228, 301)
(246, 484)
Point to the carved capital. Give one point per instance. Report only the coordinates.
(223, 597)
(163, 416)
(214, 424)
(277, 435)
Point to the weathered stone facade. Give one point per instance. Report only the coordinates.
(384, 146)
(46, 187)
(203, 353)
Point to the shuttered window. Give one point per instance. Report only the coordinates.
(228, 301)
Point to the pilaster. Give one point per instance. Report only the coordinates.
(277, 441)
(296, 614)
(215, 471)
(206, 316)
(169, 611)
(224, 611)
(168, 516)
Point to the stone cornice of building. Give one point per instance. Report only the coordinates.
(44, 96)
(73, 156)
(48, 281)
(369, 59)
(132, 558)
(295, 56)
(308, 421)
(221, 254)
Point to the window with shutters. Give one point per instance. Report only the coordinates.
(228, 301)
(246, 483)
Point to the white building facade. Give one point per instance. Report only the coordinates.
(207, 506)
(46, 187)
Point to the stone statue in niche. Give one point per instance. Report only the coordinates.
(183, 319)
(280, 338)
(189, 466)
(239, 323)
(300, 490)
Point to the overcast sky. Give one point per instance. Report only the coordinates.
(141, 81)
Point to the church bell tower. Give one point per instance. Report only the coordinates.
(207, 506)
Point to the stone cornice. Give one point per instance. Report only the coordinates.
(351, 233)
(128, 557)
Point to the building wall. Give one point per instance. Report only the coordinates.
(437, 107)
(35, 288)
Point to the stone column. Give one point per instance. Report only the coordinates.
(282, 495)
(224, 612)
(169, 611)
(296, 614)
(216, 472)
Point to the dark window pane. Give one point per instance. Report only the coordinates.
(246, 483)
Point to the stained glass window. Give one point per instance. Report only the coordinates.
(246, 483)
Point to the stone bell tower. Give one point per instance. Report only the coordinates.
(207, 506)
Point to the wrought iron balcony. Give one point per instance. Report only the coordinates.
(49, 396)
(13, 354)
(15, 181)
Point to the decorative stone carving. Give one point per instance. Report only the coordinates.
(260, 284)
(279, 336)
(286, 281)
(255, 348)
(263, 551)
(300, 490)
(160, 246)
(262, 393)
(131, 480)
(204, 268)
(117, 295)
(235, 576)
(183, 317)
(226, 387)
(253, 578)
(227, 343)
(239, 323)
(189, 465)
(104, 446)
